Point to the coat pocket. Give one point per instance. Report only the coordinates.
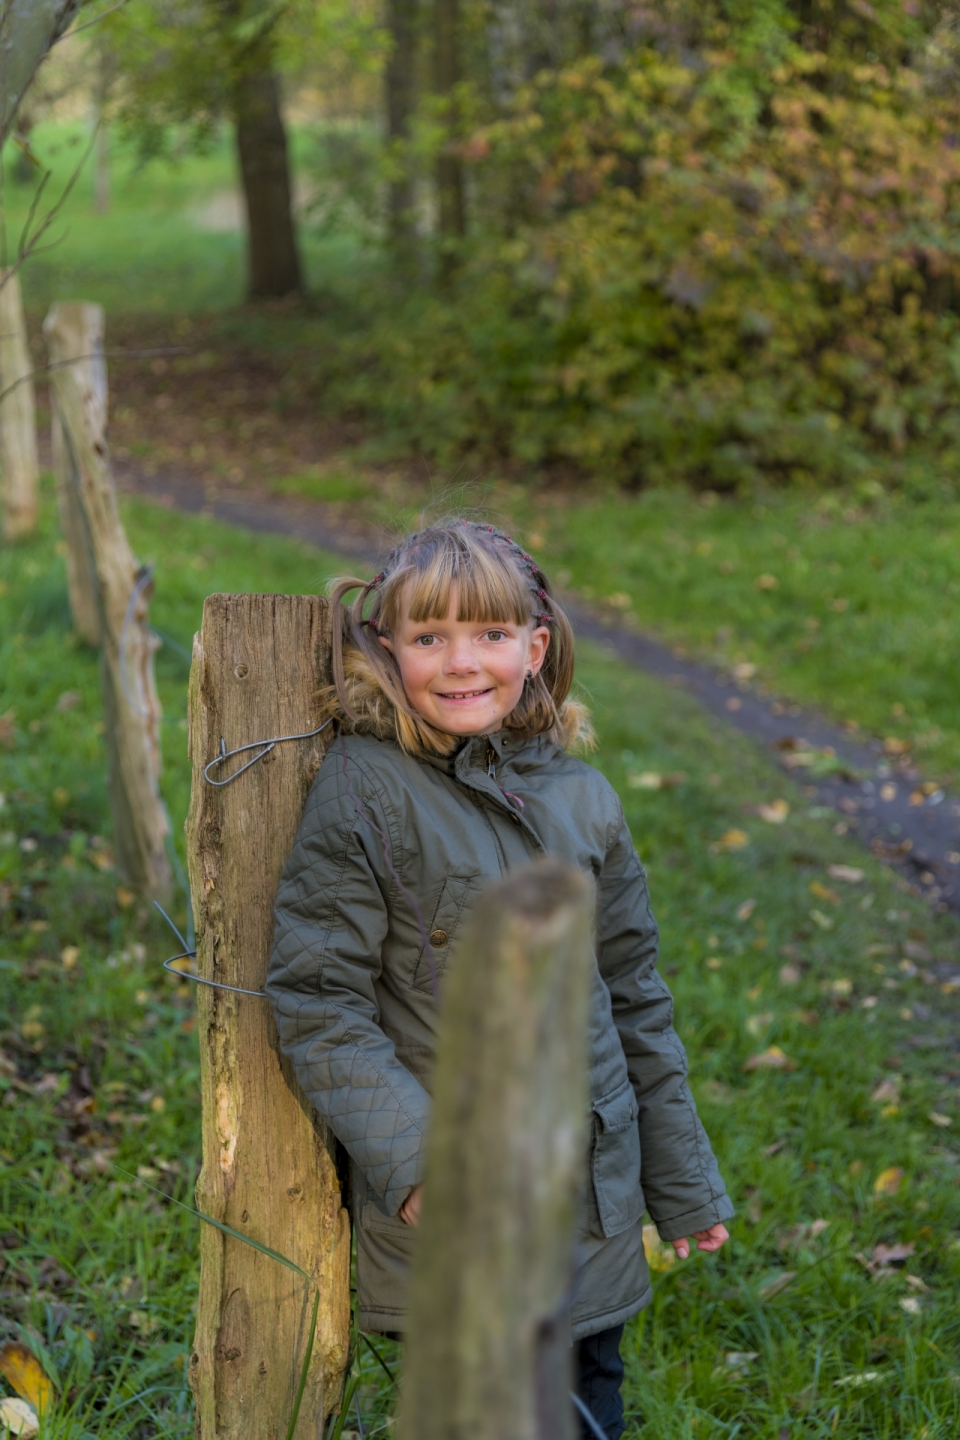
(452, 907)
(615, 1163)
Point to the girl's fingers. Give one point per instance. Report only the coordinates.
(682, 1248)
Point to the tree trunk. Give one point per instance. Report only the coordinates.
(400, 85)
(488, 1346)
(74, 334)
(27, 30)
(269, 1164)
(451, 213)
(273, 266)
(19, 469)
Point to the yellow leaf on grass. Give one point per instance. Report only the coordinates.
(848, 873)
(660, 1255)
(889, 1181)
(745, 910)
(823, 892)
(773, 1058)
(648, 780)
(732, 840)
(21, 1369)
(19, 1418)
(775, 813)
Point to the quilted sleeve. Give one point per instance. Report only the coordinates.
(331, 919)
(680, 1177)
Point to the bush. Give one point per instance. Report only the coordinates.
(673, 283)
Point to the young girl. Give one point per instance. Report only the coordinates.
(451, 767)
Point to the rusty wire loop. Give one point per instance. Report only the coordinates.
(188, 954)
(268, 745)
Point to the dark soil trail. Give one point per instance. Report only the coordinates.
(879, 798)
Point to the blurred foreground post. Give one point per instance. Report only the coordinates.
(19, 469)
(74, 334)
(488, 1346)
(269, 1163)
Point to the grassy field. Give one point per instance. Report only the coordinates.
(839, 1143)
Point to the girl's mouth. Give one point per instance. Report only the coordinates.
(464, 694)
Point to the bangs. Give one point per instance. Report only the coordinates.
(487, 588)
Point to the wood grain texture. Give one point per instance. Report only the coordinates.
(74, 335)
(269, 1164)
(19, 468)
(488, 1352)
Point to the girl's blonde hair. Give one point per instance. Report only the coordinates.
(496, 580)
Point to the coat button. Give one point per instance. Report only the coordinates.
(438, 938)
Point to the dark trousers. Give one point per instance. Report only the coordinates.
(600, 1375)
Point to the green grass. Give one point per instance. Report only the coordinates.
(100, 1062)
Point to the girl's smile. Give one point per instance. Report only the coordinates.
(465, 676)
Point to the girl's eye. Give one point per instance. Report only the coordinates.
(496, 635)
(425, 640)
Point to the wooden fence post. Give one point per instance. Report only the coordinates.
(81, 571)
(269, 1163)
(19, 469)
(488, 1347)
(74, 334)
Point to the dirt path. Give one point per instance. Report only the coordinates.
(879, 798)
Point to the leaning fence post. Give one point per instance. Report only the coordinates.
(488, 1344)
(269, 1164)
(81, 571)
(74, 334)
(18, 427)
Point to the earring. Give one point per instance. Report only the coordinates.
(529, 674)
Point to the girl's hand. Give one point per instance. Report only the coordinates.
(709, 1240)
(410, 1209)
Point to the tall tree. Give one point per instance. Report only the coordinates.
(401, 96)
(451, 216)
(158, 43)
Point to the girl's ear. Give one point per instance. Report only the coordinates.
(386, 642)
(537, 648)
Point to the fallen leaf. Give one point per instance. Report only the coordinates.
(849, 873)
(732, 840)
(69, 956)
(744, 670)
(772, 1058)
(910, 1304)
(938, 1119)
(7, 734)
(717, 1093)
(893, 746)
(713, 962)
(19, 1418)
(21, 1369)
(889, 1181)
(887, 1257)
(774, 1149)
(789, 975)
(887, 1092)
(648, 780)
(917, 1283)
(68, 700)
(660, 1255)
(756, 1024)
(735, 1363)
(766, 582)
(125, 897)
(775, 813)
(823, 892)
(863, 1378)
(824, 921)
(745, 910)
(775, 1284)
(840, 986)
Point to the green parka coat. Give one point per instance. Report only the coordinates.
(353, 992)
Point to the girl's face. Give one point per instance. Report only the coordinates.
(465, 676)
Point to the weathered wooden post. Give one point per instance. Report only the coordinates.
(74, 334)
(81, 571)
(269, 1166)
(19, 469)
(488, 1345)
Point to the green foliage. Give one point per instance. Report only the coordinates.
(714, 269)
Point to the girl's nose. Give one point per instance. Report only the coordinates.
(461, 659)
